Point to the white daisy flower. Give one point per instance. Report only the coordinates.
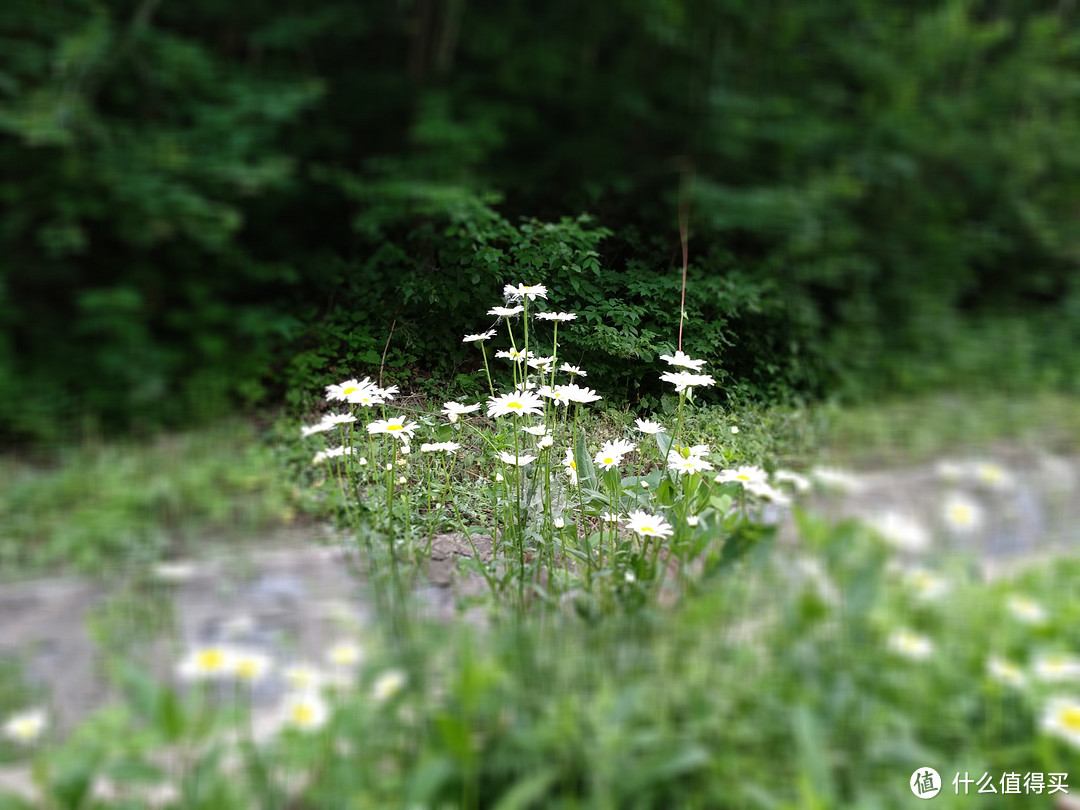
(577, 393)
(648, 525)
(440, 447)
(767, 492)
(648, 426)
(1061, 719)
(682, 360)
(25, 727)
(250, 666)
(305, 711)
(313, 429)
(573, 370)
(684, 379)
(498, 477)
(452, 410)
(1005, 672)
(900, 531)
(542, 364)
(520, 403)
(1054, 667)
(1026, 609)
(338, 452)
(747, 475)
(517, 461)
(388, 684)
(368, 399)
(559, 523)
(556, 316)
(910, 644)
(692, 520)
(399, 428)
(926, 585)
(342, 391)
(506, 312)
(344, 654)
(800, 482)
(556, 394)
(993, 476)
(334, 419)
(479, 337)
(734, 430)
(530, 291)
(210, 662)
(571, 466)
(686, 464)
(546, 440)
(611, 453)
(962, 514)
(304, 677)
(837, 480)
(387, 393)
(517, 355)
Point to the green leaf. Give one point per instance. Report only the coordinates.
(528, 791)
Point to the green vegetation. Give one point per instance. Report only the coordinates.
(101, 506)
(210, 207)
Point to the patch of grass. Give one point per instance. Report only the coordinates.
(92, 507)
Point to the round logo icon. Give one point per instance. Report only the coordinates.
(925, 783)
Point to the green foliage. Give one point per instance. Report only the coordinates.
(94, 508)
(207, 206)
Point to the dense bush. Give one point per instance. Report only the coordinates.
(201, 201)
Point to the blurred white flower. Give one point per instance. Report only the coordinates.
(993, 476)
(559, 523)
(837, 480)
(250, 666)
(209, 662)
(573, 370)
(926, 585)
(506, 312)
(692, 520)
(1054, 667)
(910, 644)
(734, 430)
(1026, 609)
(25, 727)
(303, 677)
(1005, 672)
(341, 392)
(1061, 719)
(747, 475)
(800, 482)
(345, 654)
(304, 710)
(900, 531)
(388, 684)
(556, 316)
(962, 514)
(480, 337)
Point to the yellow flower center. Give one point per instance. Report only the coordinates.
(247, 670)
(609, 460)
(349, 390)
(961, 514)
(513, 405)
(743, 477)
(394, 427)
(26, 729)
(648, 530)
(1070, 718)
(211, 660)
(303, 714)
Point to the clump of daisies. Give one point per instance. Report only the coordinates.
(562, 508)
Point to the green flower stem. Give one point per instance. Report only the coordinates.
(487, 369)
